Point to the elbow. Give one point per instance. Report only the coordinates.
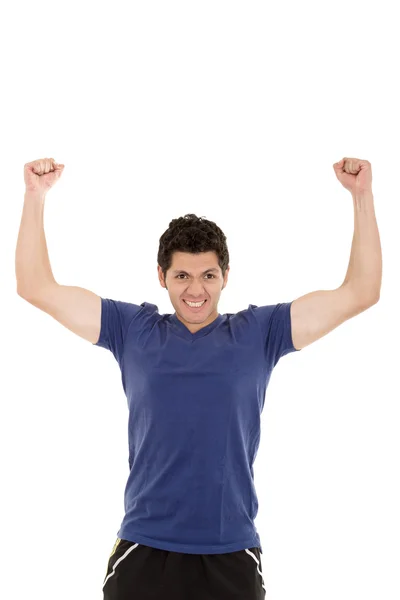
(364, 297)
(370, 299)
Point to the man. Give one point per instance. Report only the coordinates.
(195, 382)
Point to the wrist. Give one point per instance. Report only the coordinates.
(363, 201)
(35, 195)
(365, 194)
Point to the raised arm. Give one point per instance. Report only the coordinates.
(76, 308)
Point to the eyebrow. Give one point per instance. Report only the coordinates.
(182, 271)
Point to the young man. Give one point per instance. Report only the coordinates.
(195, 382)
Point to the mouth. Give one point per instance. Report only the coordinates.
(194, 309)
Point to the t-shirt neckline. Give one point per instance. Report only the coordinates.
(200, 333)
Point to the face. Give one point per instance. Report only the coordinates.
(189, 278)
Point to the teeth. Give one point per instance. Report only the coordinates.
(194, 304)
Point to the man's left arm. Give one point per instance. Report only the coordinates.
(316, 314)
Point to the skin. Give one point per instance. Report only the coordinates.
(194, 285)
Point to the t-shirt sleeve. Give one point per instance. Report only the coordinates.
(116, 318)
(276, 328)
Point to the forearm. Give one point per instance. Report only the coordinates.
(32, 264)
(364, 273)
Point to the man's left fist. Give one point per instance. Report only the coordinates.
(354, 174)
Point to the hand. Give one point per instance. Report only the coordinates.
(40, 175)
(354, 174)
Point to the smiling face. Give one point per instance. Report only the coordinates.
(194, 277)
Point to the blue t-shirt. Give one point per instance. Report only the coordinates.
(195, 401)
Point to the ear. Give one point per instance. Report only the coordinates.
(161, 277)
(226, 276)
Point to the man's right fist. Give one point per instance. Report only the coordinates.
(40, 175)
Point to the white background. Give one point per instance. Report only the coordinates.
(235, 111)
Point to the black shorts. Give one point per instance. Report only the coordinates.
(138, 572)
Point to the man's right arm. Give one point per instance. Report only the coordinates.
(76, 308)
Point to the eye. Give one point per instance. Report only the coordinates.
(184, 274)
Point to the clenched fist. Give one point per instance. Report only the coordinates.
(354, 174)
(40, 175)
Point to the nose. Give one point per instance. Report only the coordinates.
(195, 297)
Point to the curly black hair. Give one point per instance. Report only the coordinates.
(192, 234)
